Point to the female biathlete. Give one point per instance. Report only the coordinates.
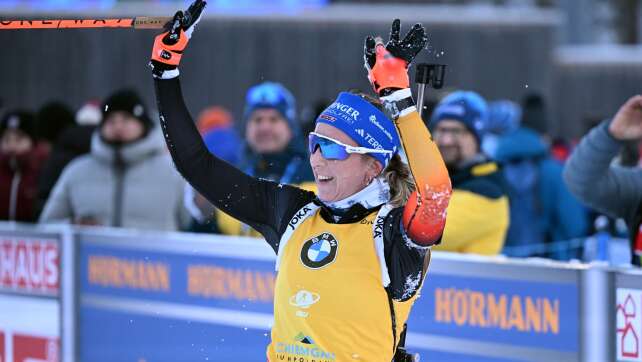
(350, 259)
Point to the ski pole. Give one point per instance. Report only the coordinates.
(139, 22)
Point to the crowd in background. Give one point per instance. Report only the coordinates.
(106, 164)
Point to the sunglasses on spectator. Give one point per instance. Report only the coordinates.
(332, 149)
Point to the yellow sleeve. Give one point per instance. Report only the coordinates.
(424, 158)
(425, 212)
(475, 224)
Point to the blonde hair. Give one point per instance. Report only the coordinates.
(400, 180)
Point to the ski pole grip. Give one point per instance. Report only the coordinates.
(422, 74)
(438, 75)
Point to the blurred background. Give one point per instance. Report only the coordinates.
(143, 268)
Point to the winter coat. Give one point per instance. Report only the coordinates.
(613, 190)
(225, 143)
(72, 142)
(18, 179)
(542, 210)
(138, 189)
(478, 209)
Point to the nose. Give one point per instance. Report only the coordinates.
(445, 139)
(264, 125)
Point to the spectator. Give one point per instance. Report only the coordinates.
(52, 119)
(561, 149)
(542, 210)
(535, 114)
(478, 211)
(614, 190)
(217, 129)
(19, 166)
(503, 116)
(89, 114)
(274, 149)
(127, 180)
(72, 142)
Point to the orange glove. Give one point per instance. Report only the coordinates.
(388, 72)
(167, 50)
(388, 65)
(169, 46)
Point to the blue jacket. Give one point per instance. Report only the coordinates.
(542, 210)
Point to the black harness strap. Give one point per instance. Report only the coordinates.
(393, 318)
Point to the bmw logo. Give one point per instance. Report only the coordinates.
(319, 251)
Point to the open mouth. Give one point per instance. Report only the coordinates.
(324, 179)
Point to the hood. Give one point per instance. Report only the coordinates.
(133, 152)
(520, 144)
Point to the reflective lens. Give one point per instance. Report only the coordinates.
(330, 150)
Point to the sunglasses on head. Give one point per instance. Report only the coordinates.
(265, 94)
(332, 149)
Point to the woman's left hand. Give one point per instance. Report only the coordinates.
(387, 64)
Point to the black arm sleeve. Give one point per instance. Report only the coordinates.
(265, 206)
(404, 258)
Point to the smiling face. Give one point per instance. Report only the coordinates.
(456, 143)
(339, 179)
(267, 131)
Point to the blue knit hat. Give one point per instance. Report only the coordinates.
(466, 107)
(364, 124)
(504, 116)
(272, 95)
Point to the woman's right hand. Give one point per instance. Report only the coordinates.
(387, 64)
(169, 46)
(627, 123)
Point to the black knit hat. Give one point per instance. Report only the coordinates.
(127, 101)
(52, 119)
(19, 120)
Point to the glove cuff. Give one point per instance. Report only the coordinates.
(162, 70)
(399, 103)
(168, 74)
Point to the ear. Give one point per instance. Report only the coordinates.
(374, 168)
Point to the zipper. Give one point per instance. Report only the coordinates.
(119, 173)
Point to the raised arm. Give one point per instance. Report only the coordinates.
(424, 215)
(258, 203)
(589, 175)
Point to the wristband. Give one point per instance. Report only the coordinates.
(399, 103)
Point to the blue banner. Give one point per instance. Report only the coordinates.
(170, 305)
(514, 312)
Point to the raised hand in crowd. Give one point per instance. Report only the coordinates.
(627, 123)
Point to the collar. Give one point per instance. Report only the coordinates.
(128, 153)
(373, 195)
(270, 166)
(359, 205)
